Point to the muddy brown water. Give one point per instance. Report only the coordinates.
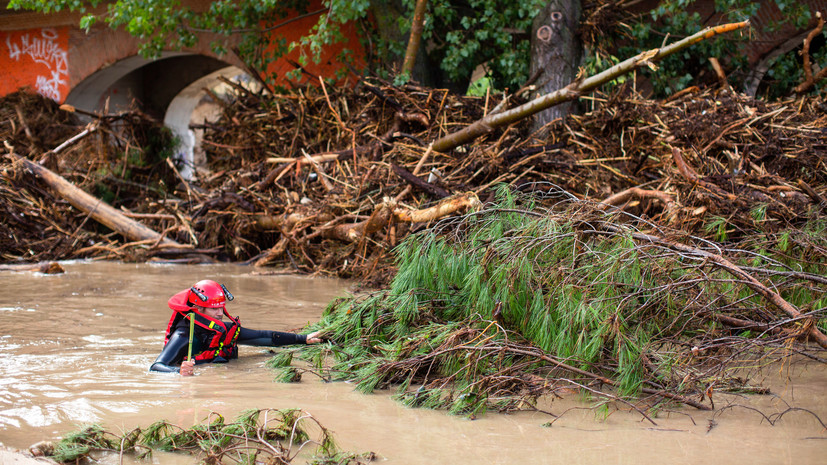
(75, 348)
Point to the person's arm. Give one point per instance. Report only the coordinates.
(265, 338)
(173, 353)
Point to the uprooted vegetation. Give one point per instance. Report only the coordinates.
(256, 436)
(541, 295)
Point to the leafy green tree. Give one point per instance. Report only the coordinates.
(167, 24)
(161, 24)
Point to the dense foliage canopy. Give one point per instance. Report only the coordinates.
(461, 35)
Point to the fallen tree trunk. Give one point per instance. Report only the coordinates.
(97, 209)
(385, 213)
(356, 231)
(575, 89)
(444, 208)
(389, 211)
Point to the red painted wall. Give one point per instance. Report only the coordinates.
(37, 59)
(328, 64)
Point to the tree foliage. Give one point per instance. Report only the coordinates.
(167, 24)
(459, 35)
(677, 19)
(462, 34)
(491, 33)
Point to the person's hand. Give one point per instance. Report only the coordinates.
(187, 367)
(313, 338)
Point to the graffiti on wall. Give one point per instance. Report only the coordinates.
(37, 59)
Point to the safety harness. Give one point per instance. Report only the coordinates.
(223, 336)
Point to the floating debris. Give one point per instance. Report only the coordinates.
(256, 436)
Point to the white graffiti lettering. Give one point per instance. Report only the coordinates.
(46, 51)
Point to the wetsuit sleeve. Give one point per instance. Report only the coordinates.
(173, 352)
(257, 337)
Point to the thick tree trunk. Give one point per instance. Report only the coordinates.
(555, 54)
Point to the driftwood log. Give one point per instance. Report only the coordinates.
(385, 214)
(97, 209)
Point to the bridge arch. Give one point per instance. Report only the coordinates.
(193, 106)
(172, 89)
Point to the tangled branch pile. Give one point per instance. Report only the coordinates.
(499, 307)
(256, 436)
(120, 159)
(330, 180)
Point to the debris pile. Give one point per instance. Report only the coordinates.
(650, 249)
(329, 180)
(117, 159)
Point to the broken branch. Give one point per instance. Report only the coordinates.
(575, 89)
(100, 211)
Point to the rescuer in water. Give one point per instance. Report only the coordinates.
(197, 332)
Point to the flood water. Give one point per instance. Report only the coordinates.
(75, 349)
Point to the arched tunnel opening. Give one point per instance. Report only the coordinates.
(174, 89)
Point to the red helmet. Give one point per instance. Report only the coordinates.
(208, 293)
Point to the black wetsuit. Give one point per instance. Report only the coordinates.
(175, 350)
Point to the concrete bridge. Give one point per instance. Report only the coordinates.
(102, 71)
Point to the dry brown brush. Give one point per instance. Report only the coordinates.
(330, 179)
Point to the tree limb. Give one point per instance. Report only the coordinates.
(97, 209)
(809, 79)
(575, 89)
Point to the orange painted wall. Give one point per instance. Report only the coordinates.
(37, 59)
(52, 60)
(328, 63)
